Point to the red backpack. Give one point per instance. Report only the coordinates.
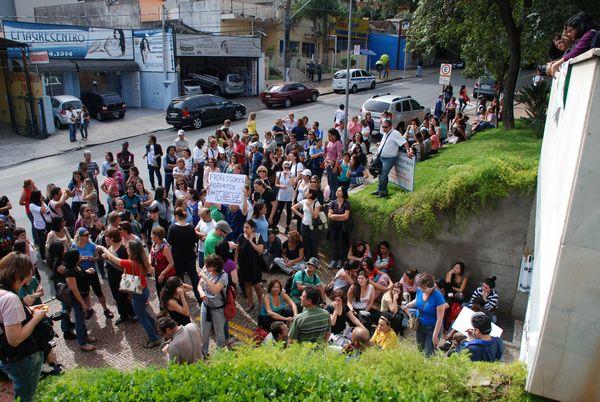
(229, 295)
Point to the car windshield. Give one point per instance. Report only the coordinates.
(176, 104)
(340, 74)
(275, 88)
(234, 78)
(376, 106)
(190, 83)
(112, 99)
(75, 103)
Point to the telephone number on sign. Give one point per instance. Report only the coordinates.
(60, 54)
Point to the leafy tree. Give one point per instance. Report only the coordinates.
(495, 36)
(322, 14)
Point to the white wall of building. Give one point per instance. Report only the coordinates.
(561, 340)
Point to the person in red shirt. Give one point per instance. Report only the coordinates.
(137, 265)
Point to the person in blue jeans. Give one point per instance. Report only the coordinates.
(388, 151)
(430, 305)
(73, 121)
(22, 361)
(137, 265)
(79, 285)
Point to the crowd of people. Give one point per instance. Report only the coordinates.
(162, 236)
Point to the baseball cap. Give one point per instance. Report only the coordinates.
(181, 132)
(223, 227)
(307, 172)
(314, 261)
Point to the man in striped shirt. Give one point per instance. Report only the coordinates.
(312, 324)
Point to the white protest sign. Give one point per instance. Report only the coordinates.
(463, 323)
(403, 172)
(445, 73)
(226, 188)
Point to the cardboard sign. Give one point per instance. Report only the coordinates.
(403, 172)
(445, 73)
(226, 188)
(463, 323)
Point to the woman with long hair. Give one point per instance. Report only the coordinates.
(259, 216)
(284, 181)
(24, 200)
(276, 306)
(161, 200)
(41, 217)
(310, 211)
(339, 215)
(58, 233)
(137, 264)
(182, 238)
(251, 123)
(161, 258)
(173, 301)
(113, 239)
(211, 167)
(212, 284)
(146, 199)
(292, 259)
(76, 187)
(333, 153)
(90, 195)
(19, 322)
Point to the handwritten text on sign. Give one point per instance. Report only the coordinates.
(226, 188)
(403, 172)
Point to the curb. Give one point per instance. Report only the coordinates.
(329, 92)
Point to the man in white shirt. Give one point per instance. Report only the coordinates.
(389, 149)
(184, 343)
(289, 122)
(203, 228)
(340, 115)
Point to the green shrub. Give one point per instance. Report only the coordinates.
(535, 98)
(457, 182)
(344, 62)
(299, 373)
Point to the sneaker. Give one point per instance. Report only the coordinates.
(87, 347)
(152, 344)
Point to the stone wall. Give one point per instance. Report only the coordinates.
(490, 243)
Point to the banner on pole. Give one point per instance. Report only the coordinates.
(226, 188)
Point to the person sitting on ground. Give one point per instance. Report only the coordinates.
(184, 343)
(482, 346)
(384, 335)
(380, 280)
(391, 307)
(359, 251)
(454, 283)
(488, 294)
(276, 306)
(344, 277)
(359, 341)
(306, 278)
(173, 302)
(277, 333)
(292, 252)
(340, 316)
(410, 280)
(384, 258)
(312, 324)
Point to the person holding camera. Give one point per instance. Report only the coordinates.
(388, 153)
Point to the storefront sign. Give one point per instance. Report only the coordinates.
(148, 49)
(403, 173)
(221, 46)
(71, 42)
(226, 188)
(38, 58)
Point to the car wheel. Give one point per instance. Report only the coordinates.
(354, 89)
(237, 115)
(287, 103)
(313, 98)
(373, 85)
(99, 116)
(197, 122)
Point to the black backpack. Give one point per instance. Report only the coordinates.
(288, 284)
(68, 215)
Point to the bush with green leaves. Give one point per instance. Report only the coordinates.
(535, 98)
(456, 182)
(299, 373)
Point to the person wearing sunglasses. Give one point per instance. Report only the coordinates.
(388, 151)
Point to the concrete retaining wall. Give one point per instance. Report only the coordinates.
(490, 243)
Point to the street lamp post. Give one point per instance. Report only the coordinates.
(348, 63)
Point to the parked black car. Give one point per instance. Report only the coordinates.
(104, 104)
(198, 110)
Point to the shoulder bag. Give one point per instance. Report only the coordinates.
(131, 283)
(376, 165)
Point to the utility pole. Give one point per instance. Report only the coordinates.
(286, 39)
(348, 63)
(165, 44)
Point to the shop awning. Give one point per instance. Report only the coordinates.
(106, 65)
(55, 66)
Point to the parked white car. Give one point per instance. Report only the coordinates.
(191, 87)
(402, 108)
(60, 105)
(359, 79)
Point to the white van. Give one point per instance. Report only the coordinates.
(359, 79)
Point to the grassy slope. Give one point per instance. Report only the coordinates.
(300, 373)
(458, 181)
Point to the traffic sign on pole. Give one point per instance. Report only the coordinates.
(445, 73)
